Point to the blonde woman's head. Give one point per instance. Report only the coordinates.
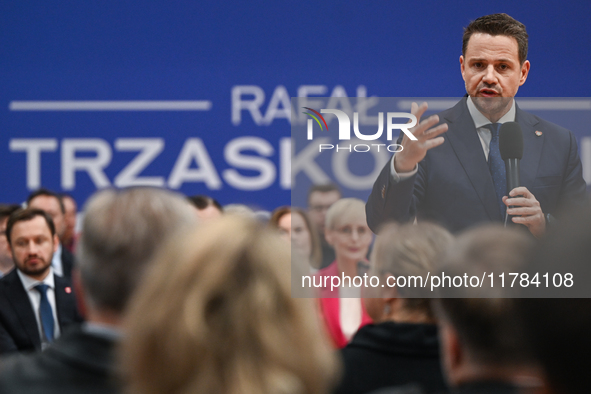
(216, 315)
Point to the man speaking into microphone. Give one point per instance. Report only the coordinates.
(454, 173)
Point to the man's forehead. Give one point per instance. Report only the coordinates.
(329, 195)
(485, 44)
(30, 227)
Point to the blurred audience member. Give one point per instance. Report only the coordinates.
(320, 198)
(241, 210)
(483, 343)
(70, 237)
(281, 220)
(347, 232)
(294, 225)
(50, 202)
(233, 327)
(121, 231)
(35, 304)
(6, 263)
(558, 328)
(206, 207)
(402, 346)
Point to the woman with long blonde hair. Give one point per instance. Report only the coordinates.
(215, 315)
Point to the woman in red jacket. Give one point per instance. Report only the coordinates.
(341, 307)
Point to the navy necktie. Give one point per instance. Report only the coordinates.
(45, 311)
(497, 167)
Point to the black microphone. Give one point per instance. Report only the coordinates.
(511, 149)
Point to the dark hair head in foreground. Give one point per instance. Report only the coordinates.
(216, 315)
(558, 328)
(483, 321)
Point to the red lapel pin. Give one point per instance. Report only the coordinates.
(538, 133)
(68, 289)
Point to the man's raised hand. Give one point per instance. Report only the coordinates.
(427, 138)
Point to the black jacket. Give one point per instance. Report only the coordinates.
(78, 362)
(477, 387)
(18, 326)
(67, 262)
(392, 354)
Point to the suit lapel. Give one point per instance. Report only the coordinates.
(532, 147)
(464, 140)
(61, 301)
(67, 262)
(19, 300)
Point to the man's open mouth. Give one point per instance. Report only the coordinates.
(488, 92)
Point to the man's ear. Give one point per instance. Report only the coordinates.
(452, 355)
(524, 72)
(462, 66)
(79, 291)
(56, 243)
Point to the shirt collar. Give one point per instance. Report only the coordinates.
(480, 120)
(29, 283)
(57, 256)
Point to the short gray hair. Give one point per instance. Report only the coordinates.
(121, 231)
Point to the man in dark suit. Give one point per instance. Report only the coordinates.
(121, 232)
(6, 263)
(35, 305)
(52, 203)
(460, 182)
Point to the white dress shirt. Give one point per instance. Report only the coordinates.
(56, 261)
(35, 299)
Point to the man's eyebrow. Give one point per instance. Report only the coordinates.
(502, 60)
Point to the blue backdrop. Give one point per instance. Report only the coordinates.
(218, 75)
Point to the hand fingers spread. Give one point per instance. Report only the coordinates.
(434, 142)
(425, 125)
(434, 132)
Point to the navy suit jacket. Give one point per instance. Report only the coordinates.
(18, 326)
(454, 187)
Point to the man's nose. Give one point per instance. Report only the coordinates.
(33, 248)
(490, 76)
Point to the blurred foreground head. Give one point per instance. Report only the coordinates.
(558, 328)
(121, 231)
(405, 251)
(215, 315)
(481, 334)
